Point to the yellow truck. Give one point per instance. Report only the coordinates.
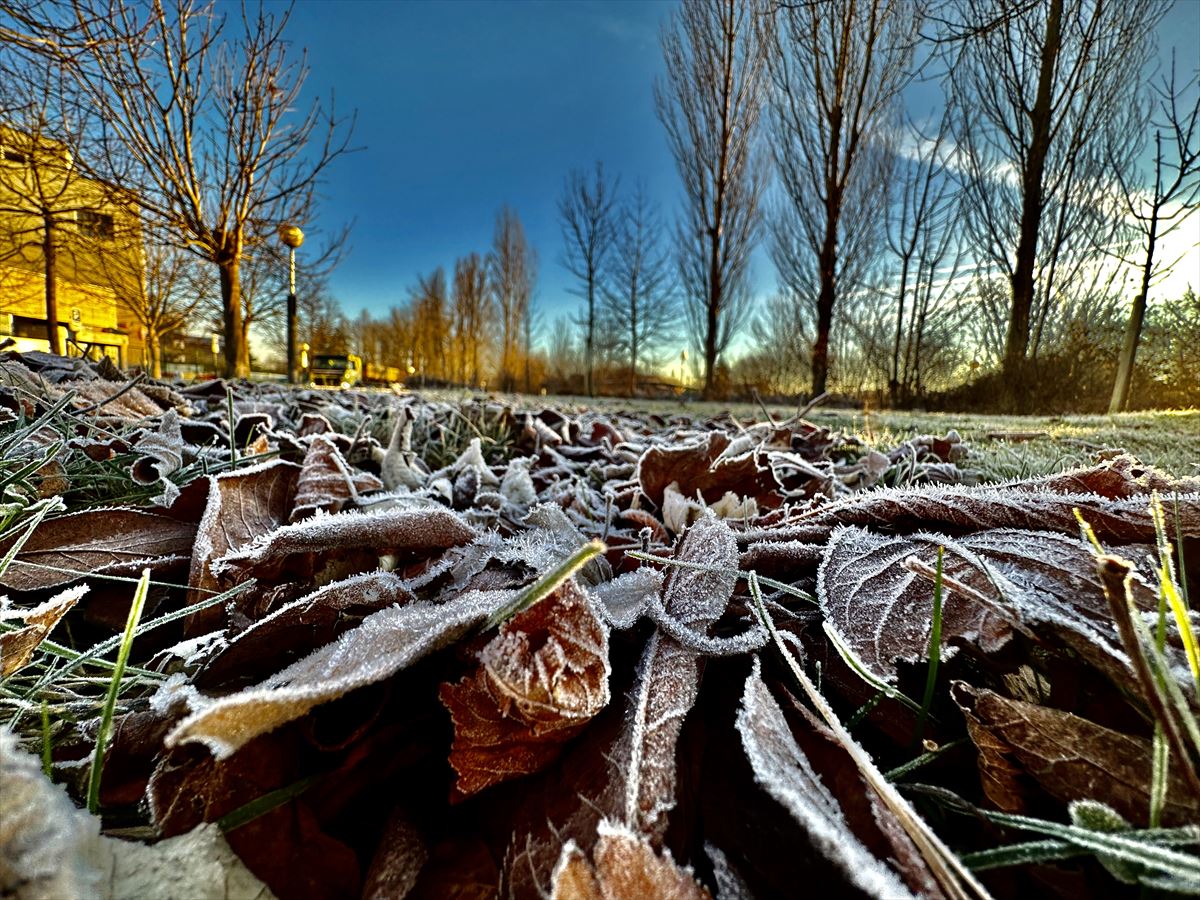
(335, 370)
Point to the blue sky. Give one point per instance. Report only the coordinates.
(463, 106)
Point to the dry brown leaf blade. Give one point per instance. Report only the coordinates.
(541, 679)
(327, 481)
(623, 865)
(965, 510)
(97, 542)
(781, 768)
(385, 643)
(242, 506)
(17, 647)
(1072, 758)
(996, 581)
(417, 531)
(303, 625)
(668, 680)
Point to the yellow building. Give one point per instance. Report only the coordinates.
(97, 253)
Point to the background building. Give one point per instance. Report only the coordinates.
(96, 254)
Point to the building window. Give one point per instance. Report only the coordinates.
(95, 224)
(13, 156)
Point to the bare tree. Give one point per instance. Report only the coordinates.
(837, 69)
(512, 267)
(173, 286)
(640, 294)
(209, 118)
(431, 325)
(472, 314)
(1161, 209)
(1036, 90)
(585, 211)
(710, 103)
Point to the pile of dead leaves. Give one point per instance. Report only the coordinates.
(377, 654)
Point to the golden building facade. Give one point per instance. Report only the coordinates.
(96, 253)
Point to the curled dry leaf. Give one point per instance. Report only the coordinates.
(114, 541)
(540, 680)
(385, 643)
(242, 506)
(783, 771)
(327, 482)
(668, 680)
(160, 453)
(623, 865)
(397, 863)
(1118, 478)
(303, 547)
(17, 647)
(1073, 758)
(701, 466)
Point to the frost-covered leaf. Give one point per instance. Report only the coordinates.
(623, 865)
(627, 597)
(882, 609)
(242, 505)
(302, 626)
(327, 482)
(1075, 759)
(17, 647)
(385, 643)
(303, 547)
(48, 848)
(198, 865)
(668, 679)
(783, 771)
(160, 453)
(965, 510)
(397, 863)
(1118, 478)
(97, 542)
(539, 681)
(703, 466)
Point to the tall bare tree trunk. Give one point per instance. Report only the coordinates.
(1133, 328)
(50, 260)
(154, 350)
(1032, 206)
(236, 363)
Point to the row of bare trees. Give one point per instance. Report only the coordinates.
(624, 272)
(1032, 172)
(474, 328)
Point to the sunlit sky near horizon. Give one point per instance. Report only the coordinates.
(464, 106)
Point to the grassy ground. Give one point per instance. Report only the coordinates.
(1002, 446)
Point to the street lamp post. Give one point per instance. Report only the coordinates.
(292, 237)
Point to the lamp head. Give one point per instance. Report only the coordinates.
(291, 235)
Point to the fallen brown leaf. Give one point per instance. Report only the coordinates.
(1074, 759)
(17, 647)
(114, 541)
(623, 865)
(539, 682)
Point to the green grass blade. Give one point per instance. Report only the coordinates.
(935, 650)
(110, 701)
